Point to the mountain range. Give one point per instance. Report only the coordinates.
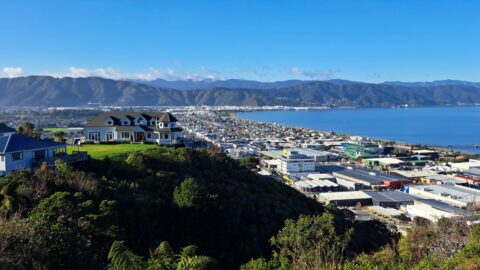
(50, 91)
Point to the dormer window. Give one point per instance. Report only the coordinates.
(125, 123)
(160, 125)
(109, 122)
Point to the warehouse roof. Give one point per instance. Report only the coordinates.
(374, 178)
(444, 206)
(387, 161)
(344, 195)
(455, 192)
(414, 173)
(390, 196)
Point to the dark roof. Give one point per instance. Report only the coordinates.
(146, 128)
(4, 128)
(16, 143)
(167, 118)
(99, 120)
(390, 196)
(372, 177)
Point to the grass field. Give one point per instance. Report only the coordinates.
(53, 130)
(100, 151)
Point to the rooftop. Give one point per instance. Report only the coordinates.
(372, 177)
(17, 143)
(344, 195)
(4, 128)
(390, 196)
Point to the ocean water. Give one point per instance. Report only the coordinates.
(454, 127)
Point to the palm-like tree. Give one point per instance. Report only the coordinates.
(162, 258)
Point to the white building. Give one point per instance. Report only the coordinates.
(455, 195)
(295, 164)
(19, 152)
(133, 127)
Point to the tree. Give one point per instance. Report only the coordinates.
(59, 136)
(312, 242)
(249, 162)
(189, 194)
(123, 259)
(162, 258)
(26, 128)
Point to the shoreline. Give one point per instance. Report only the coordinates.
(439, 148)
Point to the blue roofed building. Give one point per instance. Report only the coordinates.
(6, 130)
(19, 152)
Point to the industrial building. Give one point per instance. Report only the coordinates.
(444, 179)
(465, 166)
(318, 156)
(384, 162)
(455, 195)
(434, 210)
(345, 198)
(356, 150)
(370, 178)
(295, 164)
(390, 199)
(317, 185)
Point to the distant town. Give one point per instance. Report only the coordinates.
(376, 180)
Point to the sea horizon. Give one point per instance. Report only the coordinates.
(451, 127)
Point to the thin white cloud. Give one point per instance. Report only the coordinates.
(171, 74)
(109, 73)
(313, 74)
(13, 72)
(75, 72)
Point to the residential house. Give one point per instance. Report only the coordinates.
(134, 127)
(6, 130)
(19, 152)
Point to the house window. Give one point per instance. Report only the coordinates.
(110, 123)
(2, 158)
(125, 135)
(94, 136)
(17, 156)
(39, 155)
(166, 136)
(149, 135)
(109, 136)
(125, 123)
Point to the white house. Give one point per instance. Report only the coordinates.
(6, 130)
(134, 127)
(19, 152)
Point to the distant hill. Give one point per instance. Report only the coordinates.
(434, 83)
(50, 91)
(232, 83)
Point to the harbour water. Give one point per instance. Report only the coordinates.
(453, 127)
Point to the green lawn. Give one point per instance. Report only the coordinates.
(100, 151)
(53, 130)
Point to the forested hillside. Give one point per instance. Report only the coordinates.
(135, 207)
(50, 91)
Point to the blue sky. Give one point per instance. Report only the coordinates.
(265, 40)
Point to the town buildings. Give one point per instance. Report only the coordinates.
(356, 149)
(296, 164)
